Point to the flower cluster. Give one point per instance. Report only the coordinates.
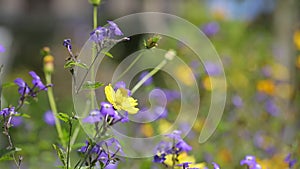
(102, 154)
(170, 153)
(26, 91)
(104, 36)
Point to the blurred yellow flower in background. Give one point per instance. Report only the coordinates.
(266, 86)
(297, 39)
(147, 130)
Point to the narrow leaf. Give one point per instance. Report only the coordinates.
(64, 117)
(92, 85)
(108, 54)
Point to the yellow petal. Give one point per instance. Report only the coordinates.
(110, 94)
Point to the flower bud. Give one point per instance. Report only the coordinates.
(170, 54)
(48, 64)
(95, 2)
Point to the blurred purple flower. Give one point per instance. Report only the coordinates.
(37, 81)
(212, 68)
(99, 34)
(175, 135)
(2, 49)
(171, 94)
(94, 116)
(237, 101)
(290, 161)
(148, 81)
(49, 118)
(266, 71)
(271, 107)
(16, 121)
(216, 166)
(107, 109)
(210, 29)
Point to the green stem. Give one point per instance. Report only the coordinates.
(54, 109)
(129, 67)
(143, 80)
(69, 145)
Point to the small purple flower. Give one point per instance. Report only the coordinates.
(250, 161)
(211, 29)
(272, 108)
(94, 116)
(99, 34)
(290, 161)
(37, 81)
(184, 165)
(148, 81)
(107, 109)
(237, 101)
(49, 118)
(266, 71)
(2, 49)
(216, 166)
(175, 135)
(8, 111)
(114, 30)
(212, 68)
(23, 87)
(67, 44)
(183, 146)
(159, 158)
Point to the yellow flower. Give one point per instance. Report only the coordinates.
(266, 86)
(120, 99)
(147, 130)
(297, 39)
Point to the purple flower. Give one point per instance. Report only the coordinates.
(212, 68)
(107, 109)
(159, 158)
(16, 121)
(37, 81)
(183, 146)
(49, 118)
(99, 34)
(114, 30)
(266, 71)
(290, 161)
(93, 117)
(272, 108)
(2, 49)
(67, 44)
(175, 135)
(148, 81)
(184, 165)
(250, 161)
(211, 29)
(237, 101)
(23, 87)
(8, 111)
(216, 166)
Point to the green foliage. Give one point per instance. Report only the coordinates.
(92, 85)
(71, 63)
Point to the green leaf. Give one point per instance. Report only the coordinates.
(108, 54)
(61, 154)
(9, 84)
(92, 85)
(64, 117)
(72, 63)
(5, 154)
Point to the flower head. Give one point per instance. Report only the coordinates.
(114, 30)
(8, 111)
(290, 161)
(121, 100)
(23, 87)
(210, 29)
(94, 116)
(2, 49)
(99, 34)
(49, 118)
(37, 81)
(250, 161)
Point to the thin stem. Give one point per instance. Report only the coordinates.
(54, 109)
(69, 145)
(129, 67)
(145, 78)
